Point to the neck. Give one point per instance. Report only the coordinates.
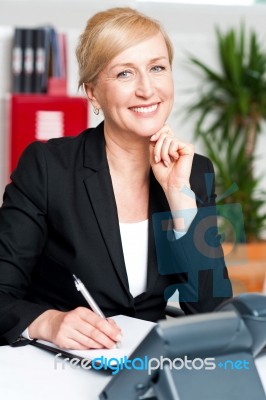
(128, 157)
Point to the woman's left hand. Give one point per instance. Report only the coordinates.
(171, 160)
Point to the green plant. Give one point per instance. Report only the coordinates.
(230, 108)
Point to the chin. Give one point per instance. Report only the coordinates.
(148, 131)
(146, 134)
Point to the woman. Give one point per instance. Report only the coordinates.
(83, 205)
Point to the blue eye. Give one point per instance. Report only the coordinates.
(158, 68)
(124, 74)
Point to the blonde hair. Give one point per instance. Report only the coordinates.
(110, 32)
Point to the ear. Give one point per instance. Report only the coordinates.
(89, 90)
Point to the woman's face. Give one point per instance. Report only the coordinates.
(135, 90)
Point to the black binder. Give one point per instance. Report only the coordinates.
(42, 56)
(29, 61)
(17, 60)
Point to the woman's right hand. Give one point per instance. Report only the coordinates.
(79, 329)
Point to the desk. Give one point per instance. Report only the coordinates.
(28, 373)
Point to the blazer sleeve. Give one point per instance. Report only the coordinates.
(201, 249)
(23, 233)
(196, 259)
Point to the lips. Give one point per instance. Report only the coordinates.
(145, 109)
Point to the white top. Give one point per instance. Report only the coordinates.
(134, 238)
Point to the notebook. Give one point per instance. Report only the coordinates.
(134, 331)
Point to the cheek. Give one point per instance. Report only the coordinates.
(117, 97)
(167, 88)
(169, 93)
(171, 97)
(170, 87)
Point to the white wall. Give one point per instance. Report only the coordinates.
(190, 27)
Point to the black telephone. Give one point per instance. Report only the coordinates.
(252, 309)
(222, 345)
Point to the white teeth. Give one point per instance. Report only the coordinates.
(145, 109)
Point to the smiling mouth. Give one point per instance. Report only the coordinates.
(147, 109)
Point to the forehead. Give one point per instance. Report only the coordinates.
(150, 49)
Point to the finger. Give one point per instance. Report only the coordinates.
(90, 336)
(74, 333)
(185, 148)
(164, 130)
(91, 325)
(112, 322)
(111, 331)
(173, 149)
(78, 341)
(73, 345)
(165, 151)
(158, 147)
(98, 336)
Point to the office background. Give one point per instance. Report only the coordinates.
(190, 26)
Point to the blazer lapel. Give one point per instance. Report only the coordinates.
(157, 203)
(100, 191)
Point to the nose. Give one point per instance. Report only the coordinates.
(145, 86)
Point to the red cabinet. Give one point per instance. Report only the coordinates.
(42, 117)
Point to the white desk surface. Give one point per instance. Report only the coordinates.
(28, 373)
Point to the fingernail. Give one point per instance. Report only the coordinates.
(156, 158)
(166, 163)
(153, 137)
(118, 337)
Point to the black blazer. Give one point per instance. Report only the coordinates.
(59, 218)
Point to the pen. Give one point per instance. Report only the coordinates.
(92, 303)
(90, 300)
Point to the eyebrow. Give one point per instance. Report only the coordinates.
(124, 65)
